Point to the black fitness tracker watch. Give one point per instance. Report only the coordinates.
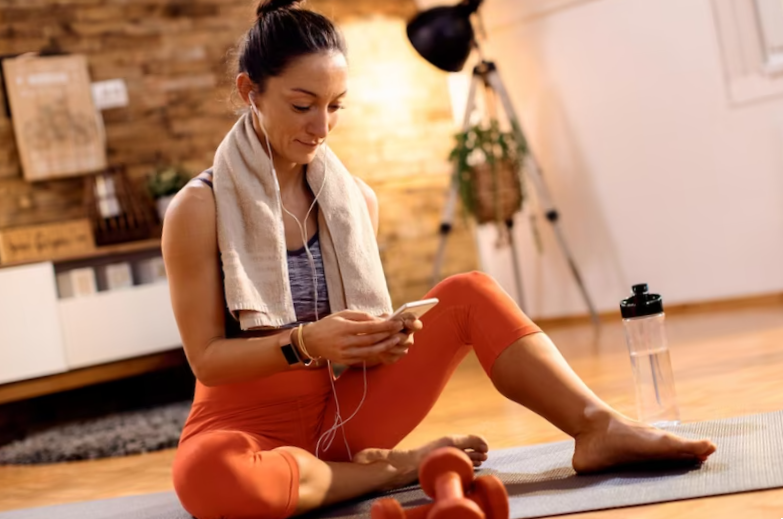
(290, 354)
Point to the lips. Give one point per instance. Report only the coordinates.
(308, 144)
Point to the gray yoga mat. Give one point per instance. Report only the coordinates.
(541, 482)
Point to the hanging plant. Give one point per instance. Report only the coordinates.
(487, 167)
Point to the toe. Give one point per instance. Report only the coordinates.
(476, 443)
(477, 456)
(467, 442)
(696, 448)
(704, 448)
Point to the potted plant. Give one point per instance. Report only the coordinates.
(487, 167)
(164, 183)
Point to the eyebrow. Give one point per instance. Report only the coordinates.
(313, 94)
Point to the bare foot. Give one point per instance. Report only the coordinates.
(616, 441)
(406, 462)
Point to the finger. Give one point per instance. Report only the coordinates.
(354, 315)
(365, 352)
(355, 341)
(376, 326)
(389, 359)
(405, 341)
(397, 351)
(413, 325)
(402, 336)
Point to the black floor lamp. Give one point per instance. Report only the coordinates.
(444, 36)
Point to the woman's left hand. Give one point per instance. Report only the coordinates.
(412, 325)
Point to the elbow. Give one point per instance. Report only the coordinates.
(201, 368)
(202, 374)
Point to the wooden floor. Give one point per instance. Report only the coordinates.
(727, 362)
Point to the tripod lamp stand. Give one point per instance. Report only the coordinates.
(444, 36)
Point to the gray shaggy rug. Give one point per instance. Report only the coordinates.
(119, 434)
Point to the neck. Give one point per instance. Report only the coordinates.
(289, 174)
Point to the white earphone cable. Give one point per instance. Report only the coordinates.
(339, 423)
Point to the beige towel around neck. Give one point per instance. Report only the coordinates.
(251, 238)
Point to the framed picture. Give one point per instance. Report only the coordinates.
(59, 132)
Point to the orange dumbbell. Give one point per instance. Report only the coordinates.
(446, 476)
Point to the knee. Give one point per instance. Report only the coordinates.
(201, 468)
(216, 476)
(467, 285)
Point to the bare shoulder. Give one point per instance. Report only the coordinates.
(368, 193)
(191, 221)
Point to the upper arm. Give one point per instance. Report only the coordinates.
(371, 200)
(190, 252)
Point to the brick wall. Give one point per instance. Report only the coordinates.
(395, 134)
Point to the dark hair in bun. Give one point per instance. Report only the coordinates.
(283, 31)
(268, 6)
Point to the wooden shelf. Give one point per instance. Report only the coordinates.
(98, 252)
(25, 389)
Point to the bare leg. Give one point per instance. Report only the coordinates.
(324, 483)
(533, 373)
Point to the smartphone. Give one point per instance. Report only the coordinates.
(417, 308)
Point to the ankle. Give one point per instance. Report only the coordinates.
(595, 418)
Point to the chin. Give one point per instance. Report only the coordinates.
(306, 158)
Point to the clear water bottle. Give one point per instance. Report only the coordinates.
(645, 333)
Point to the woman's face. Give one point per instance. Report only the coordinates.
(301, 106)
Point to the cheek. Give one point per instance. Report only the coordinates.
(281, 120)
(333, 120)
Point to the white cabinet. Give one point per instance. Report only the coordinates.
(31, 340)
(118, 324)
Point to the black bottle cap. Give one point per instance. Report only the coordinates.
(641, 303)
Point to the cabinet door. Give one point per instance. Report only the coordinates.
(31, 343)
(118, 324)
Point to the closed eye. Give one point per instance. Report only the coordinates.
(304, 109)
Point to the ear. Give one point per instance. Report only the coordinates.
(245, 87)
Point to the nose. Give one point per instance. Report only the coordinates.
(319, 125)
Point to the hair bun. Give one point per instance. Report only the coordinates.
(268, 6)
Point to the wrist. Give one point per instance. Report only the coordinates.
(305, 346)
(289, 350)
(305, 360)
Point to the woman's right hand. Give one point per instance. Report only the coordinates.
(350, 337)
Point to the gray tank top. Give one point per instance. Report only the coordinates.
(300, 277)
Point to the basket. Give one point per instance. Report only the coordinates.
(117, 212)
(497, 195)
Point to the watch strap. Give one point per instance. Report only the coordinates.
(290, 354)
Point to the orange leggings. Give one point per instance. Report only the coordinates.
(225, 466)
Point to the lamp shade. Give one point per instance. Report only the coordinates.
(444, 35)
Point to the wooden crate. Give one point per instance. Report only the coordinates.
(46, 242)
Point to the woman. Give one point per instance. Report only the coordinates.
(254, 444)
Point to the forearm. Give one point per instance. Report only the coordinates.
(232, 361)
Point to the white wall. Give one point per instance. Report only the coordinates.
(657, 177)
